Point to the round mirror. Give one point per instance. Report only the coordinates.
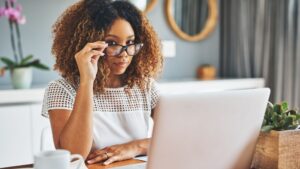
(192, 20)
(144, 5)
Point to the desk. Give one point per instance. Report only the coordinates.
(94, 166)
(116, 164)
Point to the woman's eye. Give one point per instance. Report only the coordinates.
(130, 42)
(110, 43)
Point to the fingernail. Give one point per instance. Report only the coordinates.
(90, 161)
(102, 54)
(105, 163)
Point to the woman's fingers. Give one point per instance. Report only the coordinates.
(90, 54)
(94, 52)
(87, 60)
(112, 159)
(95, 59)
(95, 154)
(97, 159)
(112, 154)
(99, 46)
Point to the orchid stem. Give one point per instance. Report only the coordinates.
(12, 36)
(18, 34)
(19, 40)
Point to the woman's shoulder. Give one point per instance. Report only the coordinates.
(153, 84)
(152, 81)
(61, 84)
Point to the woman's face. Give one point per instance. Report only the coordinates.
(120, 33)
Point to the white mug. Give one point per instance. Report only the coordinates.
(56, 159)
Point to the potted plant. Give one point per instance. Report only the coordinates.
(20, 67)
(278, 145)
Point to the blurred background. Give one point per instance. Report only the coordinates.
(37, 40)
(238, 39)
(208, 45)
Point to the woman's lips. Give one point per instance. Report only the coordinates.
(121, 64)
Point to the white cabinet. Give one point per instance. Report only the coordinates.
(39, 123)
(16, 135)
(20, 133)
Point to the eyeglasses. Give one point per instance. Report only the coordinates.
(116, 49)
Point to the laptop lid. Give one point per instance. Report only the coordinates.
(216, 130)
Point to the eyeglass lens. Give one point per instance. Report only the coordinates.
(115, 50)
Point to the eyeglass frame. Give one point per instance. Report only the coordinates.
(124, 48)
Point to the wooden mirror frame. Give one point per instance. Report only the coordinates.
(150, 6)
(209, 26)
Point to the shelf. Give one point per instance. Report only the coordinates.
(36, 94)
(21, 96)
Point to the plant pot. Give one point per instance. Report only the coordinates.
(21, 78)
(277, 150)
(206, 72)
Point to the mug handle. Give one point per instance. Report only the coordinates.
(78, 156)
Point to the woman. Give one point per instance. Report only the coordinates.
(108, 55)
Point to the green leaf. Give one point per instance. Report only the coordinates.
(26, 59)
(275, 117)
(284, 106)
(277, 108)
(293, 112)
(30, 63)
(287, 122)
(36, 63)
(276, 120)
(8, 62)
(294, 117)
(292, 127)
(267, 128)
(297, 116)
(269, 107)
(270, 104)
(40, 66)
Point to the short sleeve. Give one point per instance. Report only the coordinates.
(57, 96)
(154, 93)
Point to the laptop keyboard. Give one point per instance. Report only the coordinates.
(133, 166)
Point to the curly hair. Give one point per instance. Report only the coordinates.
(88, 21)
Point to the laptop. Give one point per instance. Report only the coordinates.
(212, 130)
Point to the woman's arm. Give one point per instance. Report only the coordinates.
(73, 130)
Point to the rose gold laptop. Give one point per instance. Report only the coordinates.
(215, 130)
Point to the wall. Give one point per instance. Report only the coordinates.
(36, 38)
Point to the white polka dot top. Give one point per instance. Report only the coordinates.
(118, 117)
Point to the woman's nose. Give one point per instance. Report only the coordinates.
(123, 54)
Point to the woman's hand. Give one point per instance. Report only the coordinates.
(119, 152)
(87, 60)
